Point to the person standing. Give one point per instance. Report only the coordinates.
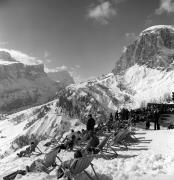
(156, 120)
(110, 122)
(90, 123)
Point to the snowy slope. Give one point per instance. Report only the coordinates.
(150, 159)
(149, 85)
(42, 122)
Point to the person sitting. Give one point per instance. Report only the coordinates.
(40, 165)
(67, 164)
(69, 144)
(28, 150)
(93, 142)
(69, 136)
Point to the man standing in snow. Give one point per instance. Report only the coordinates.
(156, 120)
(90, 123)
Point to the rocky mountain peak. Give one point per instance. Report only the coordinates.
(154, 48)
(5, 56)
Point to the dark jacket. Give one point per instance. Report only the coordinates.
(90, 124)
(93, 142)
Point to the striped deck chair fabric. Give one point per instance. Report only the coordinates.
(50, 157)
(120, 137)
(104, 146)
(79, 165)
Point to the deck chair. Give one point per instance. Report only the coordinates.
(45, 165)
(54, 141)
(49, 164)
(50, 157)
(105, 147)
(80, 165)
(119, 139)
(30, 150)
(13, 175)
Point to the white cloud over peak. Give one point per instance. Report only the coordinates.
(22, 57)
(130, 37)
(60, 68)
(102, 12)
(46, 54)
(165, 6)
(73, 71)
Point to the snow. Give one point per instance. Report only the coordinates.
(2, 62)
(150, 159)
(153, 29)
(149, 84)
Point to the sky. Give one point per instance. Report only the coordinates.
(85, 37)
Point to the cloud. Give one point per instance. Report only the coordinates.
(165, 6)
(46, 54)
(22, 57)
(130, 37)
(73, 71)
(47, 61)
(148, 22)
(56, 69)
(102, 12)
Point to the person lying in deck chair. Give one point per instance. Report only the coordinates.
(71, 168)
(101, 147)
(29, 150)
(40, 165)
(69, 144)
(93, 142)
(44, 165)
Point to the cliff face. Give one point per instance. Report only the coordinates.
(154, 47)
(23, 85)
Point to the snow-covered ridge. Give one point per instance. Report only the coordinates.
(153, 29)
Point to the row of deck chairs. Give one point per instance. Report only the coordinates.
(79, 165)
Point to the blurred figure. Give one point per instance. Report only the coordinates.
(90, 123)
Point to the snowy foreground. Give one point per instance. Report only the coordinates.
(151, 159)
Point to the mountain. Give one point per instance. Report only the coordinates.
(63, 77)
(144, 73)
(154, 48)
(147, 65)
(23, 85)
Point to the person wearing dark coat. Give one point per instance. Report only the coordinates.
(110, 122)
(90, 123)
(156, 120)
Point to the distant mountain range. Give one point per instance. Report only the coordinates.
(23, 86)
